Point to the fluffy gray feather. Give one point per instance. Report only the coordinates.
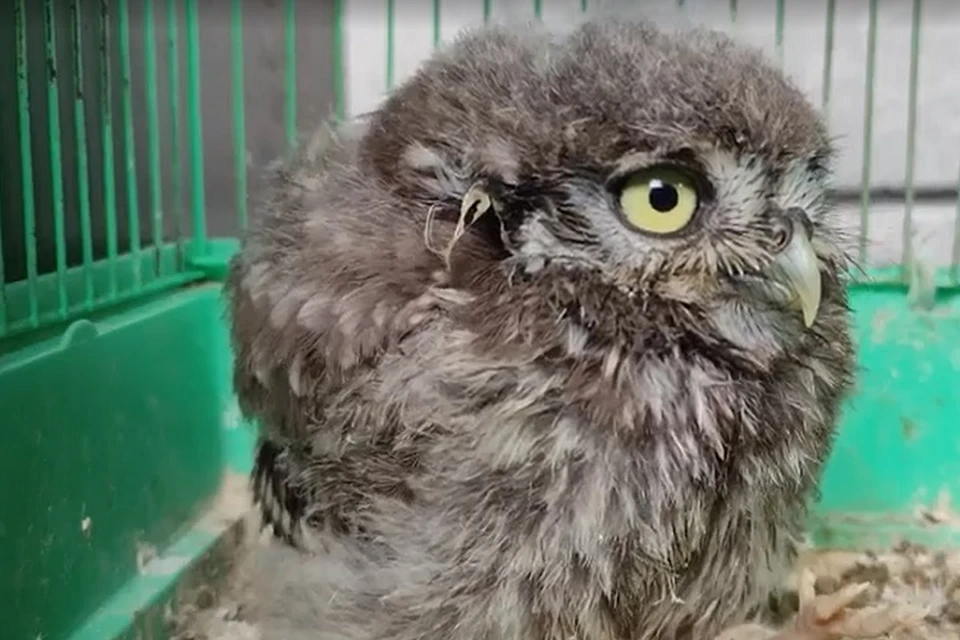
(562, 427)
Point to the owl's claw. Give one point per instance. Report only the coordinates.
(477, 200)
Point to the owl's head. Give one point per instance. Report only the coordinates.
(678, 169)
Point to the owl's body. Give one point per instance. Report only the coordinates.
(571, 420)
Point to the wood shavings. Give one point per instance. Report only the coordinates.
(906, 593)
(842, 614)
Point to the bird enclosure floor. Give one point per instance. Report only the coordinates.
(904, 593)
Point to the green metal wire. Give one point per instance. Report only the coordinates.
(3, 284)
(487, 10)
(26, 160)
(733, 11)
(538, 9)
(583, 6)
(56, 155)
(867, 132)
(129, 149)
(955, 254)
(907, 250)
(436, 23)
(239, 118)
(195, 131)
(153, 129)
(106, 135)
(83, 172)
(290, 39)
(780, 24)
(828, 55)
(339, 55)
(176, 166)
(391, 27)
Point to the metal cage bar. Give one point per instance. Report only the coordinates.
(779, 28)
(827, 76)
(391, 42)
(239, 117)
(3, 278)
(290, 66)
(906, 254)
(176, 129)
(106, 135)
(339, 70)
(129, 148)
(55, 155)
(82, 157)
(195, 131)
(867, 132)
(153, 133)
(26, 163)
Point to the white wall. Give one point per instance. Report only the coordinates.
(938, 128)
(937, 162)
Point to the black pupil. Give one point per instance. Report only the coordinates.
(663, 196)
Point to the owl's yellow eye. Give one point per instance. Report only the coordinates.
(659, 201)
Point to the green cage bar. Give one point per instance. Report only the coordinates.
(538, 9)
(583, 6)
(867, 131)
(436, 23)
(3, 284)
(153, 131)
(781, 19)
(827, 81)
(195, 131)
(909, 189)
(239, 118)
(26, 162)
(129, 149)
(339, 56)
(391, 27)
(83, 171)
(955, 254)
(106, 133)
(290, 65)
(56, 156)
(176, 153)
(733, 11)
(487, 10)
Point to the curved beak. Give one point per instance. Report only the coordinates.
(797, 269)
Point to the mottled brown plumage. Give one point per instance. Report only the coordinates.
(566, 428)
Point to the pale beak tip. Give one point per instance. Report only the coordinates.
(798, 269)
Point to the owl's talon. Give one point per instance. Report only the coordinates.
(476, 199)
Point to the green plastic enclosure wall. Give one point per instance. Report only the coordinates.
(118, 426)
(117, 433)
(118, 430)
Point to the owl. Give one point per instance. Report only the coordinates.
(550, 345)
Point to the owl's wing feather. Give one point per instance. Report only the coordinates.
(331, 275)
